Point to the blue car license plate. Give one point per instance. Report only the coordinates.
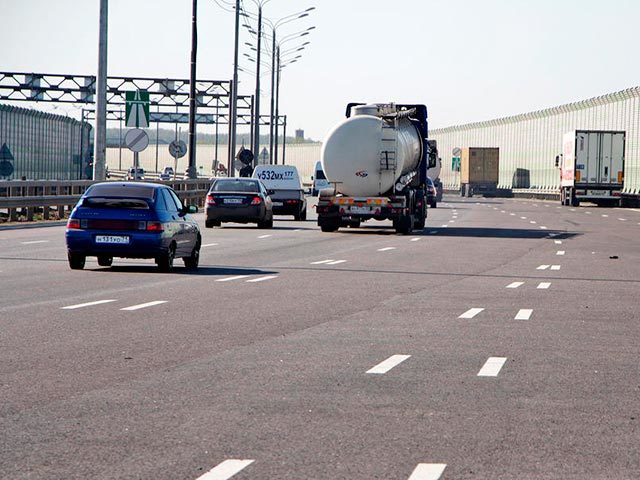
(112, 239)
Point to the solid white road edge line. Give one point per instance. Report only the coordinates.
(388, 364)
(524, 314)
(88, 304)
(492, 367)
(428, 471)
(143, 305)
(471, 313)
(226, 469)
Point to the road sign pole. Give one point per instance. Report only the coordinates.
(100, 141)
(191, 171)
(136, 160)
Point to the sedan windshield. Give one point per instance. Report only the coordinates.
(249, 186)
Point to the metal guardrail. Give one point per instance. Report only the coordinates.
(28, 198)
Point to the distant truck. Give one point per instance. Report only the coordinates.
(479, 169)
(592, 167)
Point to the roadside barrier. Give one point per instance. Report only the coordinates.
(28, 199)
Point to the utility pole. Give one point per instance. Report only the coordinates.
(273, 84)
(192, 171)
(234, 96)
(277, 116)
(100, 141)
(256, 139)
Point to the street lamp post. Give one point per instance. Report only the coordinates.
(234, 96)
(192, 171)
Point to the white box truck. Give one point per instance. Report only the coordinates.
(592, 167)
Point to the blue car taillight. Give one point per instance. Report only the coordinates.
(154, 227)
(76, 224)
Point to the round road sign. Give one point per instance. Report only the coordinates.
(178, 149)
(457, 152)
(136, 140)
(245, 156)
(6, 168)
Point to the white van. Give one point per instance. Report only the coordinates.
(319, 180)
(288, 197)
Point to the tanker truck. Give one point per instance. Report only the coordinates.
(376, 162)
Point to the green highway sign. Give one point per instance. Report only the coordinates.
(137, 109)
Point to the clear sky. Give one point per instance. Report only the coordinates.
(468, 60)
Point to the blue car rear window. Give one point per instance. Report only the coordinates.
(115, 202)
(120, 190)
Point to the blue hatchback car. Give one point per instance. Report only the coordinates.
(132, 220)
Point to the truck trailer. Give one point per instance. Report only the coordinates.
(479, 169)
(592, 167)
(376, 162)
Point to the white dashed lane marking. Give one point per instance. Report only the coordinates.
(226, 470)
(622, 219)
(558, 242)
(231, 279)
(471, 313)
(492, 367)
(560, 252)
(515, 285)
(543, 228)
(336, 262)
(605, 215)
(388, 364)
(428, 471)
(88, 304)
(533, 222)
(320, 262)
(555, 267)
(209, 245)
(265, 236)
(143, 305)
(543, 285)
(542, 267)
(524, 314)
(523, 218)
(416, 239)
(33, 242)
(262, 279)
(386, 249)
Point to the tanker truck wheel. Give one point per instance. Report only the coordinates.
(404, 225)
(329, 228)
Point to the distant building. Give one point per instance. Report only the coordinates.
(299, 134)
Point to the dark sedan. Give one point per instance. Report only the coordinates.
(132, 220)
(240, 200)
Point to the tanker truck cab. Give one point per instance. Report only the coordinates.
(288, 196)
(376, 161)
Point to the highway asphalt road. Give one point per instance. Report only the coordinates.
(502, 342)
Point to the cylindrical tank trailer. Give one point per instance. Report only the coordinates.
(367, 153)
